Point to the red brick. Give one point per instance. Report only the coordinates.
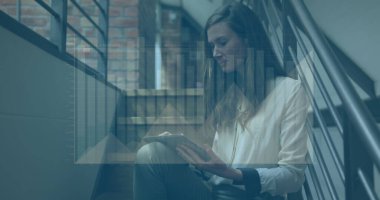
(92, 11)
(115, 33)
(120, 22)
(116, 54)
(8, 2)
(117, 43)
(132, 55)
(90, 33)
(115, 11)
(132, 65)
(131, 11)
(84, 22)
(34, 21)
(33, 10)
(131, 32)
(124, 2)
(131, 43)
(10, 10)
(85, 2)
(115, 65)
(27, 2)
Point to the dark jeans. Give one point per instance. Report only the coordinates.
(160, 174)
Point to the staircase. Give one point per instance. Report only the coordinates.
(344, 138)
(151, 112)
(146, 112)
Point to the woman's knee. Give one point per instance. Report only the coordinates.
(156, 153)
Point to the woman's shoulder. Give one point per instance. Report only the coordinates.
(286, 84)
(285, 80)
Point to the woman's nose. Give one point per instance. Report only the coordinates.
(216, 52)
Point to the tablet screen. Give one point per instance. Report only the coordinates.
(173, 141)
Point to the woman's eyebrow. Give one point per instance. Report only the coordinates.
(218, 40)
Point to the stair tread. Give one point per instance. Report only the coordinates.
(161, 120)
(164, 92)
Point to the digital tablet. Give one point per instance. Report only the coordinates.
(173, 141)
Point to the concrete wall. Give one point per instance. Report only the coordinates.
(47, 123)
(354, 27)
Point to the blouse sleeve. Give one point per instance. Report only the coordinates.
(289, 175)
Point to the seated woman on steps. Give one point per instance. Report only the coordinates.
(258, 118)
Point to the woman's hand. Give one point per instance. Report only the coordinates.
(214, 165)
(166, 133)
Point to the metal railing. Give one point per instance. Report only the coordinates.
(94, 98)
(297, 19)
(60, 25)
(57, 10)
(357, 112)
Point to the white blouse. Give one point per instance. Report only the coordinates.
(274, 141)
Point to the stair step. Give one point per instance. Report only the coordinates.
(160, 120)
(164, 92)
(186, 102)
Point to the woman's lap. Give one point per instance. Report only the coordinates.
(161, 174)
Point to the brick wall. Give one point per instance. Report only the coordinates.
(32, 16)
(171, 69)
(132, 32)
(123, 34)
(123, 43)
(179, 42)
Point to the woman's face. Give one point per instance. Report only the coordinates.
(229, 50)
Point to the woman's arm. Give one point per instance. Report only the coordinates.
(215, 165)
(289, 176)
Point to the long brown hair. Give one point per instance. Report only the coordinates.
(224, 91)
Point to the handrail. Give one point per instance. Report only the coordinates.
(353, 71)
(81, 36)
(318, 156)
(47, 8)
(321, 121)
(273, 7)
(266, 12)
(364, 180)
(87, 16)
(325, 173)
(357, 112)
(104, 13)
(318, 79)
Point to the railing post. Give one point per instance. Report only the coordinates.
(355, 157)
(103, 39)
(18, 10)
(289, 40)
(58, 25)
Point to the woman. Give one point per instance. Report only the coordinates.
(259, 146)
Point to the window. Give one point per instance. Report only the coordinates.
(76, 27)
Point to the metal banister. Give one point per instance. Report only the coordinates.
(326, 175)
(87, 16)
(357, 111)
(364, 180)
(321, 121)
(318, 79)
